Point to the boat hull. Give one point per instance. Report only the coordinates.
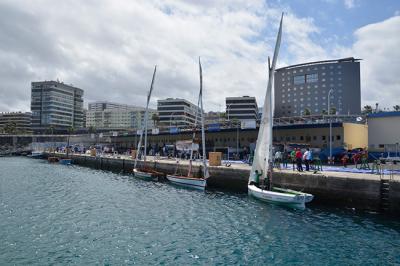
(291, 197)
(195, 183)
(37, 155)
(147, 175)
(65, 161)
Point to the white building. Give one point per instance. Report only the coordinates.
(384, 131)
(103, 105)
(241, 108)
(177, 113)
(124, 117)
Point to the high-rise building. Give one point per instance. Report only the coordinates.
(177, 113)
(303, 88)
(56, 105)
(15, 122)
(241, 108)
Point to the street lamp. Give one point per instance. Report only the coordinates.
(330, 124)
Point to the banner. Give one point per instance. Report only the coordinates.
(174, 130)
(214, 127)
(251, 123)
(155, 131)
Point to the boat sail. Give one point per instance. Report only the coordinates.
(189, 180)
(145, 172)
(260, 180)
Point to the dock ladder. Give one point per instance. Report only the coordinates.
(385, 189)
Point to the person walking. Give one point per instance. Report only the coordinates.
(299, 162)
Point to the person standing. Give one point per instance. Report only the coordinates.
(293, 158)
(278, 158)
(306, 158)
(285, 158)
(299, 162)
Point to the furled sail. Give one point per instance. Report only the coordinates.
(263, 152)
(203, 137)
(144, 126)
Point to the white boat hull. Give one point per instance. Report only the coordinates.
(292, 198)
(145, 175)
(36, 155)
(196, 183)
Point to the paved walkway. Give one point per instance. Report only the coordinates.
(336, 171)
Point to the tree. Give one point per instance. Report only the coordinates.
(324, 112)
(155, 119)
(92, 129)
(396, 107)
(367, 110)
(333, 110)
(307, 111)
(10, 128)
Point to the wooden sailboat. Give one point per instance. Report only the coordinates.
(260, 180)
(146, 172)
(189, 180)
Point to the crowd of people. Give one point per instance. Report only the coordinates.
(296, 157)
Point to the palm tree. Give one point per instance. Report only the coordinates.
(367, 109)
(155, 119)
(333, 110)
(307, 111)
(324, 112)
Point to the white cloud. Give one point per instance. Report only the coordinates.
(349, 3)
(109, 48)
(378, 45)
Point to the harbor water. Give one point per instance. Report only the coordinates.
(59, 214)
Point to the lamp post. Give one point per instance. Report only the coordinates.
(330, 125)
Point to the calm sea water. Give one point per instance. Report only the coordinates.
(54, 214)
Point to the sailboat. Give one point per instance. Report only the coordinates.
(260, 179)
(189, 180)
(146, 172)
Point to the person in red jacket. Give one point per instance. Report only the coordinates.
(299, 162)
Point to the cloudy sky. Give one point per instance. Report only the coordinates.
(109, 47)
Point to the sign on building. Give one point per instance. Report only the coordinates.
(248, 124)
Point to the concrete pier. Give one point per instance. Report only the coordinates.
(352, 190)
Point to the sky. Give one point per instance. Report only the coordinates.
(109, 47)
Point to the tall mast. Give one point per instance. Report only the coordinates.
(203, 136)
(144, 126)
(271, 69)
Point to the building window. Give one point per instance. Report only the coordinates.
(301, 137)
(338, 137)
(299, 79)
(314, 137)
(312, 77)
(323, 137)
